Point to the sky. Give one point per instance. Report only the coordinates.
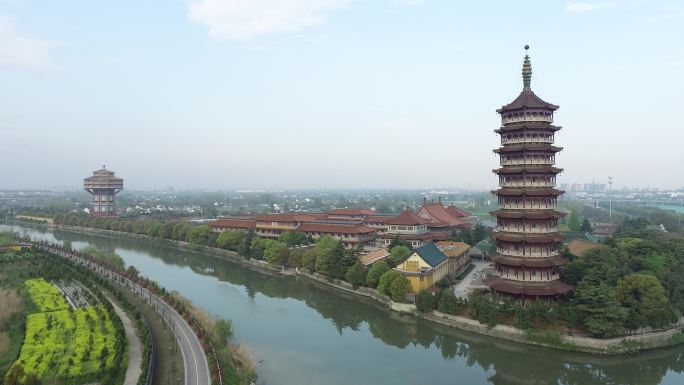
(341, 94)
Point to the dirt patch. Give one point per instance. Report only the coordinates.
(10, 303)
(4, 342)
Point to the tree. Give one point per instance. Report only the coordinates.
(399, 287)
(245, 248)
(602, 314)
(386, 280)
(356, 274)
(132, 272)
(467, 236)
(309, 260)
(224, 328)
(573, 220)
(645, 300)
(448, 302)
(398, 254)
(479, 233)
(230, 240)
(200, 235)
(294, 238)
(378, 269)
(399, 242)
(276, 253)
(329, 254)
(425, 301)
(586, 225)
(258, 247)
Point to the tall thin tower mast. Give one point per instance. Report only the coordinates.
(103, 186)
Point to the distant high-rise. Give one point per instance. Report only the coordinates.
(527, 256)
(103, 186)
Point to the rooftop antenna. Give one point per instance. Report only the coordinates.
(610, 199)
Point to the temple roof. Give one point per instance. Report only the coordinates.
(509, 191)
(528, 147)
(351, 211)
(457, 212)
(407, 217)
(544, 288)
(527, 214)
(246, 223)
(335, 228)
(439, 214)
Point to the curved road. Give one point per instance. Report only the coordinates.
(194, 358)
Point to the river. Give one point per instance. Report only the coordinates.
(307, 333)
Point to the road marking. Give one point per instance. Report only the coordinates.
(193, 354)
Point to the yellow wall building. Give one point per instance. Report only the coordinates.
(426, 266)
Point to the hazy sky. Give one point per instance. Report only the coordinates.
(332, 93)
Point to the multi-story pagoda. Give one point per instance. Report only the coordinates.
(527, 256)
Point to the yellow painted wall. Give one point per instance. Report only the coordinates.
(429, 276)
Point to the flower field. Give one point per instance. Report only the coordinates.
(45, 295)
(68, 343)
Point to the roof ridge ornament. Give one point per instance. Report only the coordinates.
(527, 71)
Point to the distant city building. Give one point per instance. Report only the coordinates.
(527, 239)
(576, 187)
(103, 186)
(564, 186)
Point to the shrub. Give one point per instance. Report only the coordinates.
(378, 269)
(386, 280)
(425, 301)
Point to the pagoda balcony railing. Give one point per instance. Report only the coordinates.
(519, 162)
(527, 118)
(528, 254)
(527, 230)
(527, 184)
(527, 139)
(526, 207)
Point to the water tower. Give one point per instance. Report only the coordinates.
(103, 186)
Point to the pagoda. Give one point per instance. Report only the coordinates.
(527, 239)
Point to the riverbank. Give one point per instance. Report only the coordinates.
(626, 344)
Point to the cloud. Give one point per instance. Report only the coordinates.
(584, 7)
(19, 51)
(247, 19)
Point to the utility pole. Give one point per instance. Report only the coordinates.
(610, 198)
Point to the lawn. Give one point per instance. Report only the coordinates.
(68, 343)
(45, 295)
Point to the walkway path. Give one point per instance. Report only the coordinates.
(471, 281)
(135, 349)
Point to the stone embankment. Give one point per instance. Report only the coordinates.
(619, 345)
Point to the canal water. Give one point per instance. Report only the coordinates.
(306, 333)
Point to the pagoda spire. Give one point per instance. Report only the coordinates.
(527, 71)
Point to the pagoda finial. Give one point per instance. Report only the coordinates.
(527, 71)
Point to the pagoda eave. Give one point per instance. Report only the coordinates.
(532, 262)
(527, 237)
(534, 289)
(528, 214)
(528, 170)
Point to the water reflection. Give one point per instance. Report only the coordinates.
(497, 362)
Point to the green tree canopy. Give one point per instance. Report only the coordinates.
(425, 301)
(398, 254)
(386, 280)
(294, 238)
(399, 287)
(356, 274)
(376, 272)
(231, 239)
(645, 300)
(276, 253)
(573, 220)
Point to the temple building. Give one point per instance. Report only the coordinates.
(527, 239)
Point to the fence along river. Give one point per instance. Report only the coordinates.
(306, 333)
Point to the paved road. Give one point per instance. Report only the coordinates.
(194, 358)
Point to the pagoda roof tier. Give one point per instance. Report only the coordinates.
(519, 126)
(528, 238)
(528, 170)
(528, 214)
(527, 100)
(528, 147)
(529, 262)
(512, 191)
(544, 288)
